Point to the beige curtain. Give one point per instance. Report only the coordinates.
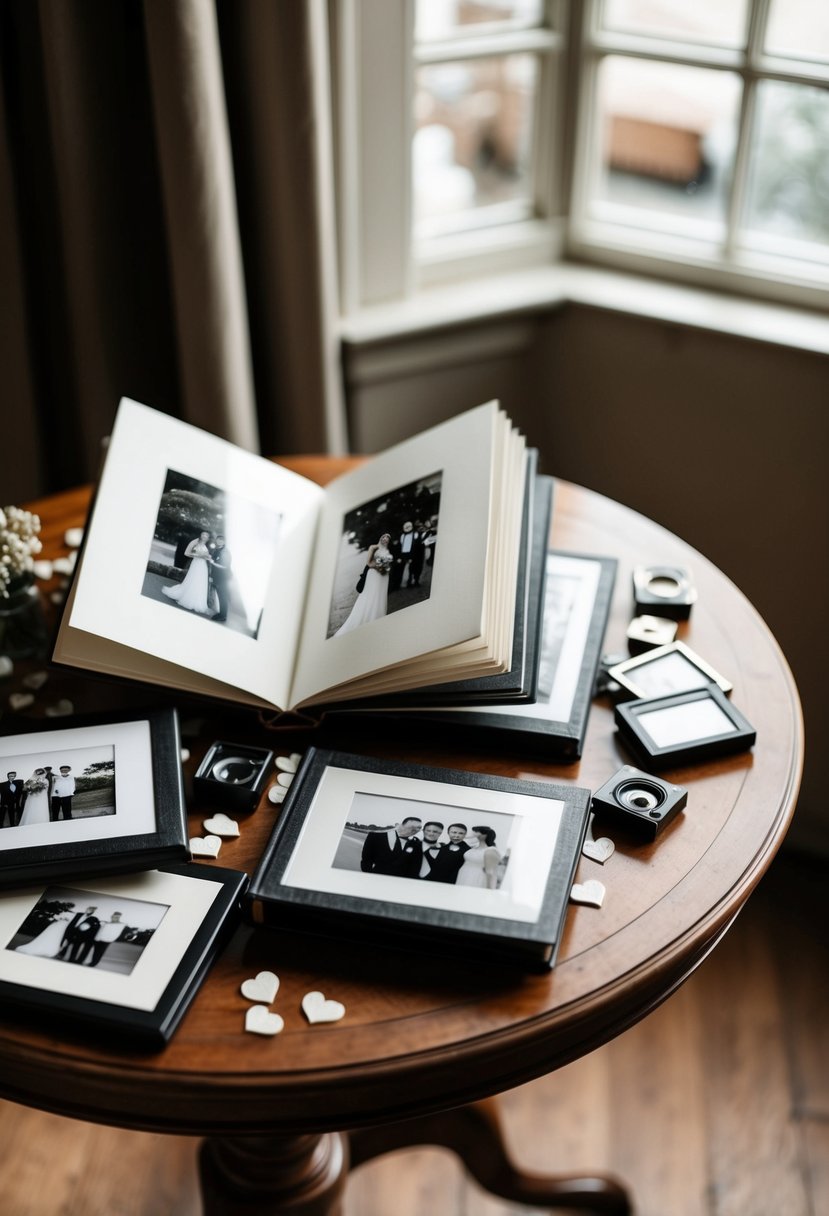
(165, 227)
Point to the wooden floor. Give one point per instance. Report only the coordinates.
(715, 1105)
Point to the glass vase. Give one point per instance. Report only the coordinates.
(23, 631)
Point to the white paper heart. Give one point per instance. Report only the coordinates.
(35, 679)
(276, 794)
(285, 779)
(296, 757)
(20, 700)
(205, 846)
(61, 709)
(260, 1020)
(317, 1009)
(591, 892)
(65, 565)
(599, 850)
(286, 764)
(72, 537)
(222, 825)
(263, 987)
(42, 569)
(6, 666)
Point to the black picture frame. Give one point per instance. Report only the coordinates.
(688, 724)
(309, 878)
(205, 907)
(146, 825)
(691, 665)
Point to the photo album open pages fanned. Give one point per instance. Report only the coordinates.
(213, 571)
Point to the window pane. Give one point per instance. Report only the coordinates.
(799, 27)
(789, 182)
(712, 22)
(473, 130)
(668, 140)
(438, 19)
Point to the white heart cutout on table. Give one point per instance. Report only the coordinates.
(591, 892)
(62, 709)
(20, 700)
(276, 794)
(42, 569)
(260, 1020)
(65, 565)
(72, 538)
(286, 764)
(263, 987)
(222, 825)
(35, 679)
(599, 850)
(317, 1009)
(205, 846)
(285, 779)
(6, 666)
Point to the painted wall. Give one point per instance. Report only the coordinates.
(722, 440)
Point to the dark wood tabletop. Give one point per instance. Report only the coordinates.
(421, 1034)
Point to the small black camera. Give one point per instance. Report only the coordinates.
(233, 775)
(645, 803)
(663, 591)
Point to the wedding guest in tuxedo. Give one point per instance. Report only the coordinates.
(405, 548)
(80, 934)
(397, 852)
(418, 554)
(62, 793)
(108, 933)
(447, 861)
(221, 575)
(11, 800)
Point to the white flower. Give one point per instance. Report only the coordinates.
(19, 543)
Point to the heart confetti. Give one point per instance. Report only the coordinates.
(21, 700)
(65, 565)
(42, 569)
(591, 892)
(222, 825)
(599, 850)
(285, 779)
(207, 846)
(6, 666)
(61, 709)
(35, 679)
(286, 764)
(260, 1020)
(317, 1009)
(263, 987)
(72, 538)
(276, 794)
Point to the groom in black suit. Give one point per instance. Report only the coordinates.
(80, 934)
(222, 575)
(11, 800)
(445, 860)
(397, 851)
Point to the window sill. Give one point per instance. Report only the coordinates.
(543, 288)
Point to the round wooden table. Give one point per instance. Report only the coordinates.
(422, 1037)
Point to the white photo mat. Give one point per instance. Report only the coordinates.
(188, 901)
(532, 844)
(134, 796)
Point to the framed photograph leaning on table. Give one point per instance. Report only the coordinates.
(101, 795)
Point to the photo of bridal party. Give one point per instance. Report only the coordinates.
(88, 929)
(386, 555)
(55, 786)
(427, 842)
(211, 554)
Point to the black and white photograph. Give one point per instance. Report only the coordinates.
(123, 954)
(430, 858)
(211, 554)
(88, 929)
(68, 792)
(54, 786)
(427, 842)
(386, 555)
(665, 670)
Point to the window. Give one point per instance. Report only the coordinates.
(690, 140)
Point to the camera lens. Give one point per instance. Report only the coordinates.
(234, 770)
(640, 795)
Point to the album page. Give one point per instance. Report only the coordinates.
(434, 525)
(195, 563)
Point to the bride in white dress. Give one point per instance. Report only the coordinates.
(47, 944)
(480, 863)
(372, 602)
(36, 806)
(194, 589)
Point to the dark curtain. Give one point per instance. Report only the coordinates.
(162, 234)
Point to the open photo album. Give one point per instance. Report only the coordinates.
(210, 570)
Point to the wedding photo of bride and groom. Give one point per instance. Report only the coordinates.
(48, 787)
(88, 929)
(209, 554)
(386, 555)
(451, 846)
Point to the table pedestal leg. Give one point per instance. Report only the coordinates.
(273, 1175)
(474, 1133)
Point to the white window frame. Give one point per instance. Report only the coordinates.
(373, 70)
